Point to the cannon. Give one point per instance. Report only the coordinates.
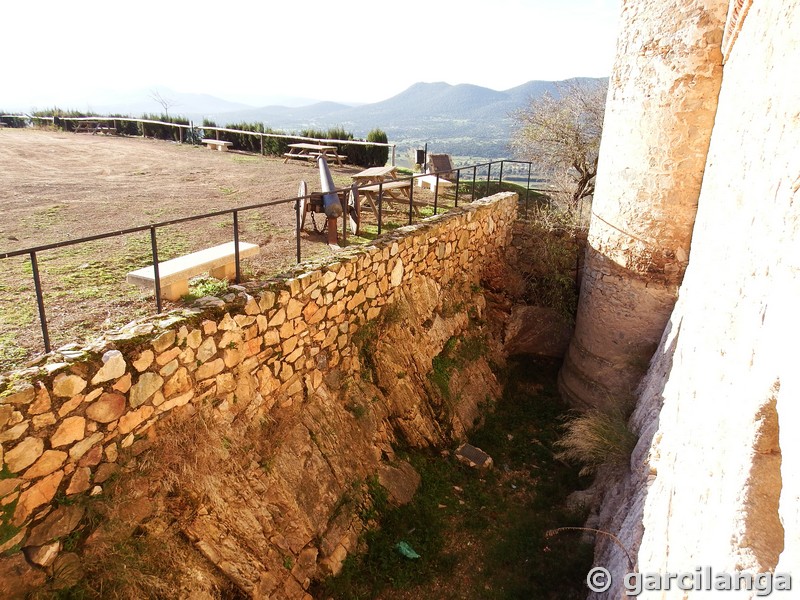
(329, 202)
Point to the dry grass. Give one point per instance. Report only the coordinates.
(597, 437)
(56, 186)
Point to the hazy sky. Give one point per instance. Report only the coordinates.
(80, 52)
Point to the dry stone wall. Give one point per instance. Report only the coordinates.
(66, 428)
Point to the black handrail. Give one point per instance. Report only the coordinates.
(234, 212)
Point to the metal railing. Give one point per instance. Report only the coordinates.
(476, 185)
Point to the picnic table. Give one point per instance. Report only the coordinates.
(95, 127)
(375, 180)
(307, 151)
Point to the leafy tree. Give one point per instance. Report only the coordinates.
(562, 133)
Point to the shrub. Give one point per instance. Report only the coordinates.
(377, 155)
(16, 122)
(162, 132)
(59, 113)
(357, 154)
(126, 127)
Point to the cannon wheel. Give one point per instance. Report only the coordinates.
(354, 210)
(302, 193)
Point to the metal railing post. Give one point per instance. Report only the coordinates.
(297, 226)
(436, 194)
(528, 190)
(37, 284)
(236, 246)
(500, 180)
(474, 178)
(380, 207)
(156, 276)
(458, 177)
(488, 178)
(345, 221)
(411, 202)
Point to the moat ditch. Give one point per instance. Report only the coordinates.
(481, 534)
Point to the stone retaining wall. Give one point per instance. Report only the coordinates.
(65, 426)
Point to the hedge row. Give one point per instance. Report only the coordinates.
(357, 154)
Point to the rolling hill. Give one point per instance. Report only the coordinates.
(463, 120)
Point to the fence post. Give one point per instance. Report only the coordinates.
(37, 284)
(488, 178)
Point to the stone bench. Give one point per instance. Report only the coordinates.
(431, 182)
(219, 262)
(220, 145)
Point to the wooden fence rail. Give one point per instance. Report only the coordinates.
(192, 126)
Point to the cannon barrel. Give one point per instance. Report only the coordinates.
(330, 199)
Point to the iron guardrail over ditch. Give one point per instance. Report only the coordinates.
(474, 185)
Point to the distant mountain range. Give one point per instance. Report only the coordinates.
(462, 120)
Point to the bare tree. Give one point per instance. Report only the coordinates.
(166, 103)
(562, 133)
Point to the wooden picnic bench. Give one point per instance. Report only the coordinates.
(219, 262)
(220, 145)
(95, 127)
(312, 152)
(384, 179)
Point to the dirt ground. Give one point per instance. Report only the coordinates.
(57, 186)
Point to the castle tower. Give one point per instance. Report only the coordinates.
(661, 104)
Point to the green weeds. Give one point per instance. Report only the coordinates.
(481, 535)
(200, 287)
(458, 351)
